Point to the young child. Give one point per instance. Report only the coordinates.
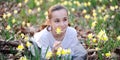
(57, 33)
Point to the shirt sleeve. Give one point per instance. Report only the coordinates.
(79, 52)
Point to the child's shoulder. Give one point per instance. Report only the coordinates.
(71, 31)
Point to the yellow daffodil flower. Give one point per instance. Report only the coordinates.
(37, 3)
(4, 15)
(28, 24)
(84, 11)
(89, 3)
(13, 21)
(23, 58)
(68, 51)
(73, 9)
(48, 55)
(58, 30)
(85, 4)
(108, 54)
(64, 52)
(90, 36)
(46, 13)
(19, 4)
(112, 8)
(8, 27)
(38, 9)
(118, 38)
(23, 23)
(25, 1)
(9, 14)
(15, 11)
(105, 38)
(94, 40)
(28, 44)
(93, 24)
(116, 6)
(94, 14)
(29, 11)
(26, 38)
(97, 48)
(22, 35)
(87, 16)
(20, 47)
(59, 51)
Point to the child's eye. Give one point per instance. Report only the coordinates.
(57, 20)
(65, 19)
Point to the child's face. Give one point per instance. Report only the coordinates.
(59, 19)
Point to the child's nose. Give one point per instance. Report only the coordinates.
(62, 24)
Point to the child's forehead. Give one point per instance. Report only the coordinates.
(59, 13)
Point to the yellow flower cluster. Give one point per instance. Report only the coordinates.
(60, 52)
(102, 35)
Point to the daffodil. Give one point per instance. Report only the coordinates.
(116, 6)
(20, 47)
(85, 4)
(19, 4)
(65, 2)
(84, 11)
(58, 30)
(23, 23)
(8, 27)
(73, 9)
(97, 48)
(112, 8)
(29, 11)
(46, 13)
(28, 44)
(93, 24)
(87, 16)
(8, 14)
(28, 24)
(48, 55)
(64, 52)
(26, 38)
(13, 21)
(102, 35)
(118, 38)
(22, 35)
(4, 15)
(38, 9)
(59, 51)
(15, 11)
(110, 0)
(25, 1)
(68, 51)
(94, 14)
(94, 40)
(23, 58)
(90, 36)
(108, 54)
(105, 38)
(37, 3)
(89, 3)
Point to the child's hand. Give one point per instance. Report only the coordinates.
(56, 45)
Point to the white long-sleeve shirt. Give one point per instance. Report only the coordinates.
(45, 39)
